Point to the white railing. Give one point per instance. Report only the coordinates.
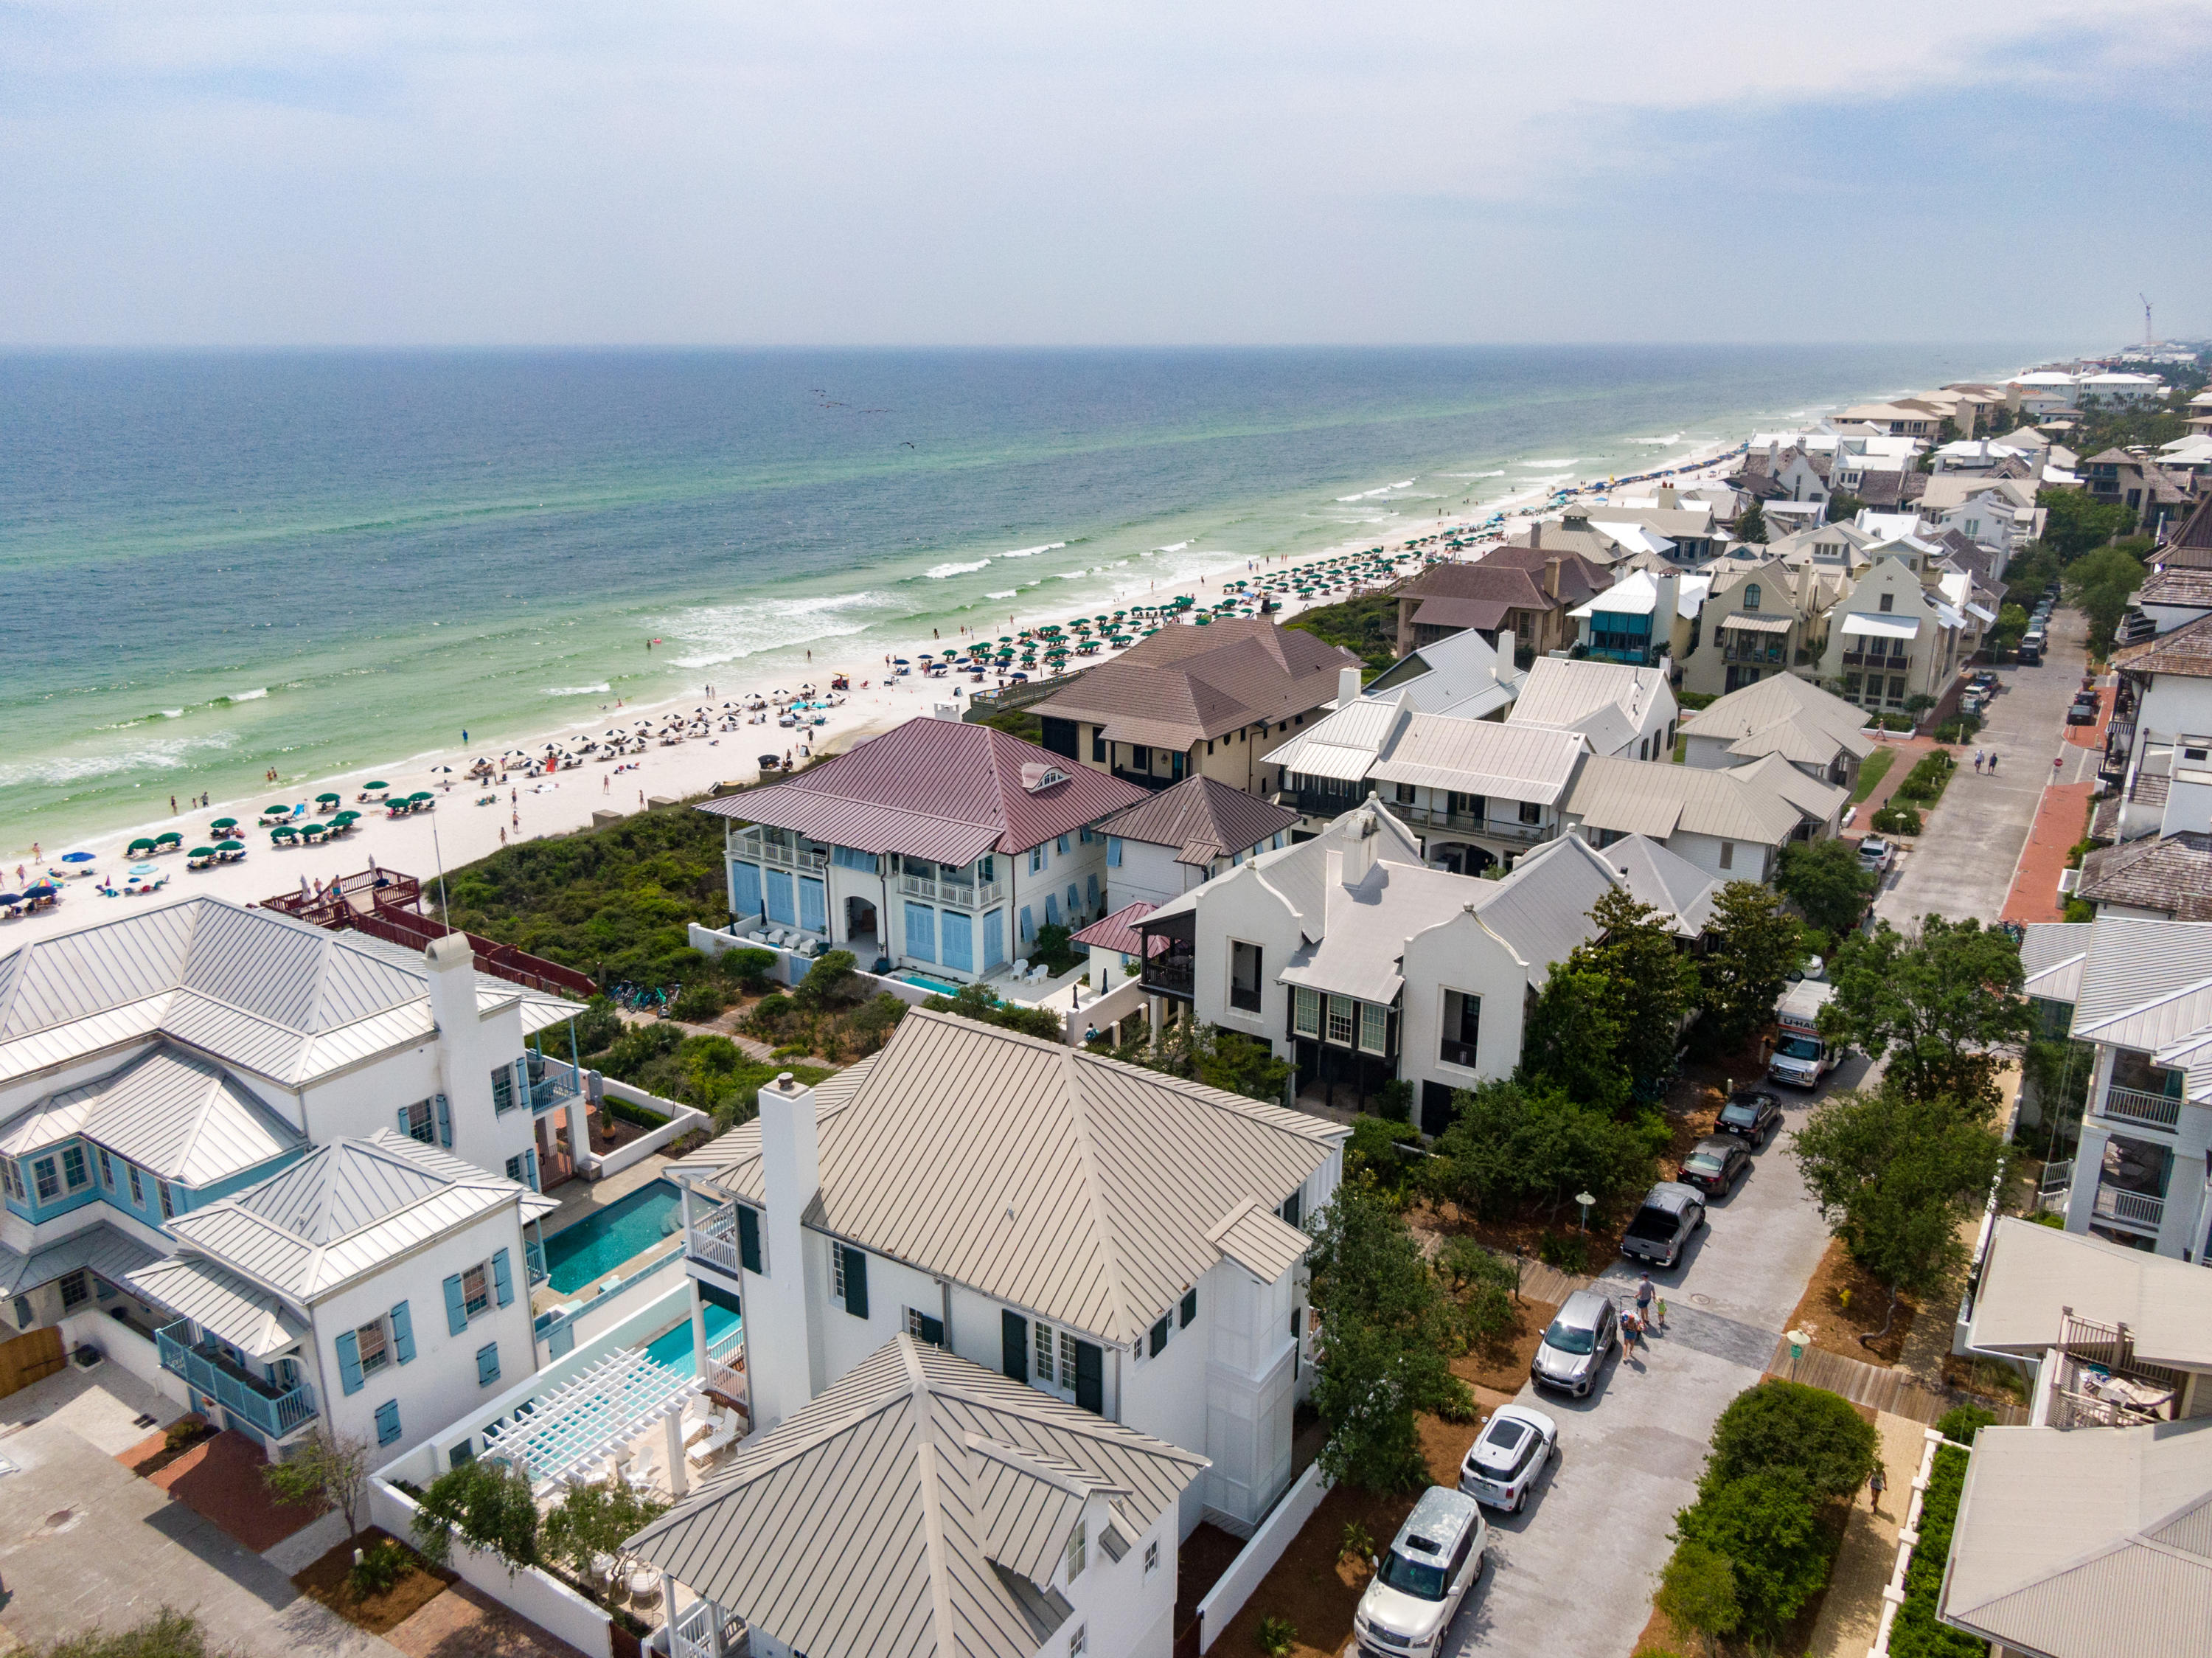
(714, 1239)
(2136, 1208)
(2139, 1105)
(967, 896)
(790, 856)
(694, 1633)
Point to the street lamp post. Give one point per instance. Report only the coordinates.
(1585, 1200)
(1798, 1340)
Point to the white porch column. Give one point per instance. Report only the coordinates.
(580, 1132)
(699, 1327)
(679, 1474)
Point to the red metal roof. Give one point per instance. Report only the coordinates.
(1117, 932)
(934, 788)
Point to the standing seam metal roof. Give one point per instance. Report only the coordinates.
(181, 1117)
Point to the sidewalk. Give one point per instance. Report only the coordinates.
(2059, 824)
(1850, 1613)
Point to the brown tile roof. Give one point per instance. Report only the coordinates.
(2173, 874)
(1580, 578)
(2178, 587)
(1476, 595)
(2186, 652)
(1185, 683)
(934, 788)
(2195, 533)
(1202, 818)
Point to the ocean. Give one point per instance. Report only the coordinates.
(216, 563)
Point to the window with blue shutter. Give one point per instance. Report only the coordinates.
(502, 1089)
(920, 932)
(1090, 891)
(1060, 845)
(856, 1282)
(957, 941)
(994, 939)
(749, 1249)
(745, 889)
(387, 1421)
(1052, 908)
(503, 1277)
(813, 905)
(1075, 899)
(403, 1333)
(1112, 852)
(1028, 927)
(456, 1310)
(350, 1362)
(780, 907)
(487, 1364)
(445, 1123)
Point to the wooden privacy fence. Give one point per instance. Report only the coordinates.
(29, 1358)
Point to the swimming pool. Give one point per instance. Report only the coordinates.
(674, 1348)
(929, 984)
(595, 1245)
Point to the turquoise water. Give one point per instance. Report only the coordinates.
(673, 1348)
(595, 1245)
(219, 562)
(929, 984)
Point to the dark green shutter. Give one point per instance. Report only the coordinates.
(748, 1253)
(856, 1283)
(1190, 1308)
(1159, 1337)
(1090, 1378)
(932, 1330)
(1014, 1345)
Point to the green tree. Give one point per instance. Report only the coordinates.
(1696, 1591)
(1223, 1059)
(1751, 525)
(1932, 1003)
(981, 1004)
(1843, 505)
(1385, 1327)
(2012, 622)
(828, 982)
(596, 1519)
(1652, 981)
(1750, 946)
(1896, 1176)
(1572, 1035)
(1784, 1424)
(2099, 584)
(1768, 1526)
(1824, 880)
(2035, 568)
(324, 1468)
(487, 1506)
(1516, 1142)
(2074, 520)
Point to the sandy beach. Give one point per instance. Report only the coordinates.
(460, 831)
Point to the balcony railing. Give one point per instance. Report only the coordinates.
(1435, 817)
(962, 895)
(1778, 655)
(712, 1238)
(274, 1411)
(1453, 1051)
(2137, 1106)
(725, 1371)
(2134, 1208)
(1878, 664)
(791, 856)
(533, 1255)
(552, 1083)
(1170, 975)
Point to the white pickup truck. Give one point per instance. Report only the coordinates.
(1801, 1058)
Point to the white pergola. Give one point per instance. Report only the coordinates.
(598, 1411)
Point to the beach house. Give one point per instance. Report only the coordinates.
(1733, 825)
(1997, 513)
(1620, 709)
(1354, 959)
(1906, 627)
(1498, 596)
(939, 847)
(377, 1288)
(1644, 618)
(1762, 621)
(156, 1065)
(1122, 1242)
(1189, 701)
(1169, 842)
(967, 1513)
(1816, 731)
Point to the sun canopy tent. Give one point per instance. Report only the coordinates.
(600, 1411)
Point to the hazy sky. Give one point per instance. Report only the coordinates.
(483, 171)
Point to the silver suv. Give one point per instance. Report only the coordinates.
(1574, 1347)
(1432, 1563)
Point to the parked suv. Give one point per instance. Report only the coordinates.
(1752, 1114)
(1509, 1457)
(1418, 1585)
(1662, 1228)
(1575, 1346)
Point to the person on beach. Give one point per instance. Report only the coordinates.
(502, 837)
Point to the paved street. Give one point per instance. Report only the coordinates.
(1572, 1576)
(1963, 864)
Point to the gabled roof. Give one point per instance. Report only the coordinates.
(1652, 875)
(2034, 1274)
(261, 992)
(1075, 1186)
(1183, 684)
(1820, 801)
(1117, 932)
(2132, 1551)
(103, 1247)
(1202, 818)
(2186, 652)
(1459, 673)
(1783, 714)
(344, 1210)
(2051, 954)
(1580, 575)
(255, 1321)
(1564, 694)
(1481, 757)
(919, 1506)
(1656, 799)
(2134, 962)
(181, 1117)
(934, 788)
(1482, 595)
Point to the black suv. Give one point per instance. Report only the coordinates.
(1752, 1114)
(1714, 1162)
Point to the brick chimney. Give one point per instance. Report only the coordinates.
(1537, 534)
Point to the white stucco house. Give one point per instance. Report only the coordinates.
(1169, 843)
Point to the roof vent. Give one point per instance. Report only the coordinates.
(1037, 775)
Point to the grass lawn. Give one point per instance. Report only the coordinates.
(1872, 771)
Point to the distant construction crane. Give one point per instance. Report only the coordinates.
(2149, 338)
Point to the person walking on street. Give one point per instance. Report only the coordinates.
(1644, 1295)
(1993, 762)
(1978, 762)
(1661, 1305)
(1877, 1483)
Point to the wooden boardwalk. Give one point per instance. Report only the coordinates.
(1878, 1387)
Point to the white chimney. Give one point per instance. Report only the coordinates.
(464, 1057)
(1354, 863)
(779, 1349)
(1347, 686)
(945, 711)
(1501, 664)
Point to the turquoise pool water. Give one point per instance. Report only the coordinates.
(674, 1348)
(597, 1245)
(929, 984)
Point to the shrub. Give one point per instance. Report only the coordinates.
(1896, 820)
(183, 1431)
(1567, 1250)
(487, 1506)
(1373, 1151)
(1768, 1525)
(1960, 730)
(1962, 1421)
(769, 1008)
(1924, 783)
(167, 1634)
(1356, 1544)
(701, 1002)
(1915, 1633)
(873, 1021)
(629, 1112)
(828, 982)
(1394, 1099)
(598, 1027)
(1784, 1425)
(748, 969)
(1696, 1591)
(1276, 1636)
(378, 1570)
